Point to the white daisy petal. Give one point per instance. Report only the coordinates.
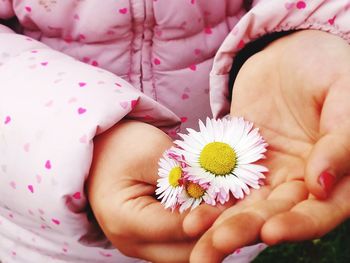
(252, 150)
(250, 159)
(205, 134)
(198, 136)
(220, 158)
(196, 203)
(187, 204)
(209, 128)
(255, 168)
(209, 198)
(186, 146)
(245, 141)
(193, 143)
(168, 185)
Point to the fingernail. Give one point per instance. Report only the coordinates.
(326, 180)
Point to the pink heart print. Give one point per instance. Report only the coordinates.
(208, 30)
(107, 255)
(331, 20)
(124, 104)
(197, 51)
(123, 10)
(185, 96)
(49, 103)
(48, 164)
(31, 188)
(301, 5)
(55, 221)
(72, 100)
(13, 184)
(7, 120)
(193, 67)
(156, 61)
(38, 179)
(288, 5)
(241, 44)
(81, 110)
(133, 104)
(77, 195)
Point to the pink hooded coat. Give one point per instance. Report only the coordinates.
(80, 66)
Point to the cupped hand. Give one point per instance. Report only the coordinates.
(121, 190)
(297, 91)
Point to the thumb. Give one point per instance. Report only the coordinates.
(329, 160)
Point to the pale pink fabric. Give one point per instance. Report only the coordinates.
(268, 16)
(81, 66)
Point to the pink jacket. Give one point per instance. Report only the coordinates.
(80, 66)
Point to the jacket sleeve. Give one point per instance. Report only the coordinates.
(267, 17)
(51, 107)
(6, 9)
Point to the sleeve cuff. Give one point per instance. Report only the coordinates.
(267, 19)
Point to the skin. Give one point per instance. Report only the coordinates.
(300, 101)
(301, 107)
(120, 188)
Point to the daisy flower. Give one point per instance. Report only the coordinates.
(222, 154)
(169, 185)
(194, 194)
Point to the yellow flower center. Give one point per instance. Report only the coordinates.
(218, 158)
(195, 190)
(174, 176)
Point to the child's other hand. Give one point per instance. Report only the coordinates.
(121, 190)
(297, 91)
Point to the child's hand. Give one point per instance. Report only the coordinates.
(297, 91)
(121, 187)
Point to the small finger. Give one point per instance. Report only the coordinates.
(309, 219)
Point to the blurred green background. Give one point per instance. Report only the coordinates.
(332, 248)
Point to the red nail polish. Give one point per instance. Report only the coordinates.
(326, 180)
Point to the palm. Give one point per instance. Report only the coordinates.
(295, 94)
(289, 132)
(285, 97)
